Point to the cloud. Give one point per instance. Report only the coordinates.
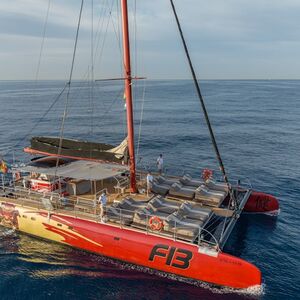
(232, 38)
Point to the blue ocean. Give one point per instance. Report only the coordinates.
(256, 124)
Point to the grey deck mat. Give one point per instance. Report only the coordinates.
(137, 203)
(161, 204)
(194, 211)
(208, 197)
(178, 190)
(166, 181)
(123, 212)
(216, 186)
(185, 226)
(142, 217)
(160, 189)
(117, 215)
(189, 181)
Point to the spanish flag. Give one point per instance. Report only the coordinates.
(3, 167)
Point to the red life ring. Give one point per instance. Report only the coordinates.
(207, 174)
(156, 223)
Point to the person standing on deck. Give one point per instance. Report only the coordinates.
(160, 164)
(24, 183)
(149, 183)
(102, 201)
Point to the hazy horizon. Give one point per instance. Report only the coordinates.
(236, 40)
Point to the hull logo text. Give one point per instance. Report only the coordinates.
(175, 257)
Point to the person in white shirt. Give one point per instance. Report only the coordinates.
(102, 201)
(149, 182)
(160, 164)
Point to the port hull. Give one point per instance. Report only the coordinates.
(133, 246)
(259, 202)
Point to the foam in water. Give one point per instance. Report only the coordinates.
(273, 213)
(256, 291)
(6, 232)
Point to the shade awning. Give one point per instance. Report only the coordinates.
(86, 170)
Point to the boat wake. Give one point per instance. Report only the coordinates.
(5, 232)
(273, 213)
(254, 291)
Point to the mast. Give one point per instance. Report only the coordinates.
(128, 94)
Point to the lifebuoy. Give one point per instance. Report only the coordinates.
(207, 174)
(156, 223)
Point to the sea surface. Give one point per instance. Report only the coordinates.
(257, 127)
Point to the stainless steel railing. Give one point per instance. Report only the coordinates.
(171, 228)
(199, 235)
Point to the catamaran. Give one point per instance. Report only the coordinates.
(180, 227)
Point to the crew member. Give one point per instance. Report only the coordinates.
(149, 183)
(160, 164)
(102, 201)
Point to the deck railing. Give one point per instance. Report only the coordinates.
(170, 228)
(200, 235)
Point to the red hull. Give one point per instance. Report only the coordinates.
(133, 246)
(261, 203)
(157, 253)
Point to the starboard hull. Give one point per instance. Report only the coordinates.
(133, 246)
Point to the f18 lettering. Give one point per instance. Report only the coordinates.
(175, 257)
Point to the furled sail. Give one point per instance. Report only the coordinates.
(79, 149)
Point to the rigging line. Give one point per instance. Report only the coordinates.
(119, 37)
(108, 109)
(38, 122)
(92, 81)
(100, 26)
(119, 42)
(105, 35)
(135, 84)
(141, 121)
(111, 105)
(215, 146)
(213, 224)
(43, 42)
(85, 75)
(92, 68)
(135, 39)
(69, 88)
(101, 20)
(122, 64)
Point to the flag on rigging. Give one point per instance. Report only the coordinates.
(3, 167)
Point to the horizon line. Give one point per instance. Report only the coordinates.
(168, 79)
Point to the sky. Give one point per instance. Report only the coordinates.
(232, 39)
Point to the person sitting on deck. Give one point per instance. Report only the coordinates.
(149, 182)
(102, 201)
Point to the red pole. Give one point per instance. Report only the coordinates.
(128, 94)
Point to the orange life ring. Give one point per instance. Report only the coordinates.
(156, 223)
(207, 174)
